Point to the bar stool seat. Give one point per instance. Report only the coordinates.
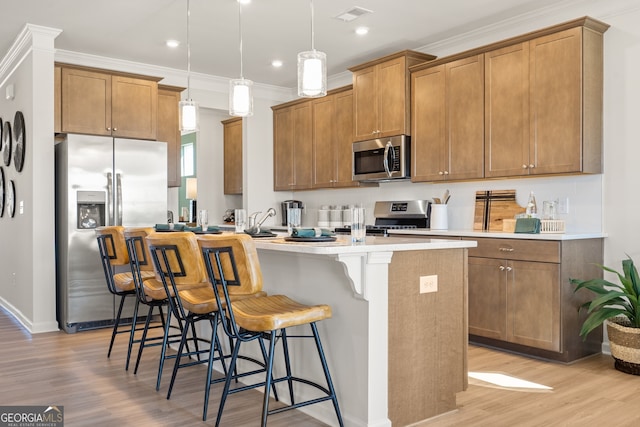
(124, 281)
(155, 289)
(202, 300)
(276, 312)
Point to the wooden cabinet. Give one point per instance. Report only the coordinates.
(292, 146)
(520, 297)
(98, 102)
(332, 139)
(447, 120)
(232, 155)
(381, 94)
(544, 104)
(57, 99)
(169, 130)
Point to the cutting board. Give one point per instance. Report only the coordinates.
(492, 206)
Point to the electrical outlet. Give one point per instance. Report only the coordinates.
(428, 284)
(563, 205)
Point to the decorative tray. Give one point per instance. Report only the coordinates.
(310, 239)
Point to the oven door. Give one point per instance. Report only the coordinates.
(381, 159)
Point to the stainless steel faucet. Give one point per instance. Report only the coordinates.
(254, 224)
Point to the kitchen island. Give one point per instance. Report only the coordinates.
(396, 347)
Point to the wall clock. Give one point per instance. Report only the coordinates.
(11, 199)
(1, 192)
(19, 136)
(6, 143)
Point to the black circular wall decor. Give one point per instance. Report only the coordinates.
(6, 143)
(1, 192)
(11, 199)
(20, 145)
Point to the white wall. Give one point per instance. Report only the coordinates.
(27, 257)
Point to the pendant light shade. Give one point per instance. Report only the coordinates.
(241, 97)
(189, 116)
(312, 69)
(189, 111)
(240, 90)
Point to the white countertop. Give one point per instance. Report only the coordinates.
(499, 234)
(343, 245)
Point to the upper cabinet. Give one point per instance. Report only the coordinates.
(292, 146)
(544, 104)
(169, 130)
(381, 93)
(232, 129)
(542, 112)
(99, 102)
(447, 120)
(332, 139)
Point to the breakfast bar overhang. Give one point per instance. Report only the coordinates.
(397, 341)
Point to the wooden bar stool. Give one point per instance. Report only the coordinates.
(261, 318)
(113, 254)
(180, 268)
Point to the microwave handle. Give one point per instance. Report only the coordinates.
(387, 148)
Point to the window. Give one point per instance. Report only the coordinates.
(188, 159)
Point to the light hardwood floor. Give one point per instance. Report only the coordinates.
(73, 370)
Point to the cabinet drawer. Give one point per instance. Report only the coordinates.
(529, 250)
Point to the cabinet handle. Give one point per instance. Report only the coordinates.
(524, 166)
(446, 172)
(109, 129)
(373, 132)
(532, 166)
(440, 173)
(509, 268)
(115, 129)
(501, 268)
(505, 249)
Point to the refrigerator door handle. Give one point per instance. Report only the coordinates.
(119, 199)
(110, 213)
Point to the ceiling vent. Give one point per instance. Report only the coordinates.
(353, 14)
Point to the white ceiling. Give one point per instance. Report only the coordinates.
(136, 30)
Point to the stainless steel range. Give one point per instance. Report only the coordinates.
(390, 215)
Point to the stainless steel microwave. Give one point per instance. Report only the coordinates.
(382, 159)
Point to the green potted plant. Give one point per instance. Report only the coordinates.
(619, 305)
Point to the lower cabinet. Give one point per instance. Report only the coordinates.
(521, 298)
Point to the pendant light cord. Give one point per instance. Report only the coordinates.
(312, 29)
(240, 36)
(188, 54)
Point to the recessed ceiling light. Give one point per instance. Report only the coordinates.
(276, 63)
(361, 31)
(173, 43)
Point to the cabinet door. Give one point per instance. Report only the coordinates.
(233, 156)
(392, 85)
(342, 149)
(487, 298)
(302, 146)
(428, 110)
(134, 106)
(533, 304)
(324, 142)
(464, 157)
(365, 104)
(86, 102)
(556, 102)
(507, 111)
(283, 149)
(169, 131)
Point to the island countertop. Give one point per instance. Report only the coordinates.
(497, 234)
(343, 245)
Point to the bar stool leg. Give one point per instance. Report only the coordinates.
(227, 382)
(115, 326)
(267, 386)
(214, 339)
(165, 344)
(133, 331)
(142, 341)
(287, 363)
(327, 375)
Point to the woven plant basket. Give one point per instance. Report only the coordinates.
(625, 345)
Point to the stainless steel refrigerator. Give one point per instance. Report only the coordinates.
(100, 181)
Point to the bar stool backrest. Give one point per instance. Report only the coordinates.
(137, 237)
(247, 266)
(177, 253)
(111, 241)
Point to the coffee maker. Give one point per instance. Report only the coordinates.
(285, 209)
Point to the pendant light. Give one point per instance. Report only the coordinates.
(189, 111)
(240, 90)
(312, 70)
